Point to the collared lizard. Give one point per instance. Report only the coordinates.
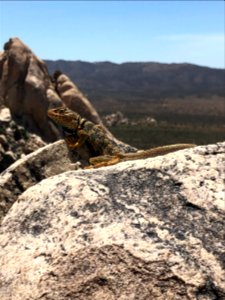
(106, 152)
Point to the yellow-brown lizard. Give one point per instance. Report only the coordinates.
(106, 152)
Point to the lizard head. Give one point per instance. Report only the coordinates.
(65, 117)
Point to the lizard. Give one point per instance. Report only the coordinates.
(78, 130)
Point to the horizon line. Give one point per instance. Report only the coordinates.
(133, 62)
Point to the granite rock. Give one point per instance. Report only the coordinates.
(24, 80)
(15, 141)
(146, 229)
(31, 169)
(28, 90)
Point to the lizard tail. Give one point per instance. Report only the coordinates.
(153, 152)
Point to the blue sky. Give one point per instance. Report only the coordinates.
(118, 31)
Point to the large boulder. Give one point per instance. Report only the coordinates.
(30, 169)
(23, 85)
(147, 229)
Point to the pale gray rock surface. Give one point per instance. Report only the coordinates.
(147, 229)
(31, 169)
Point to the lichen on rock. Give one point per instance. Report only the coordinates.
(144, 229)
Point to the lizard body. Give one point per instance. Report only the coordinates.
(78, 131)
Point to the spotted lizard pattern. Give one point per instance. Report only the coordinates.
(105, 152)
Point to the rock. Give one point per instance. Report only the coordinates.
(5, 116)
(24, 81)
(115, 119)
(31, 169)
(147, 229)
(150, 121)
(74, 99)
(27, 89)
(118, 118)
(15, 141)
(7, 158)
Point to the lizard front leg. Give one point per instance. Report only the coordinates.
(74, 143)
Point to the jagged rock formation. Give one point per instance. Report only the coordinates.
(24, 81)
(27, 89)
(74, 99)
(147, 229)
(15, 141)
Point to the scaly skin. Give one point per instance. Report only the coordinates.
(78, 130)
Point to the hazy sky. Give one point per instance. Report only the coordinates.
(118, 31)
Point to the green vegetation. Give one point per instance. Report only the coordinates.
(196, 120)
(144, 137)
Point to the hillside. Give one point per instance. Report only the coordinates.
(174, 91)
(154, 79)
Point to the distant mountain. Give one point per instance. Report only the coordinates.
(142, 79)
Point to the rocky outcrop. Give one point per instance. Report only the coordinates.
(15, 141)
(118, 118)
(23, 85)
(74, 99)
(147, 229)
(31, 169)
(115, 119)
(27, 89)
